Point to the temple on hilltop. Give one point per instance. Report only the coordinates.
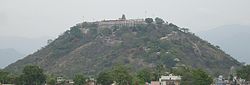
(120, 22)
(123, 17)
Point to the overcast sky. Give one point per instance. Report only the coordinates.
(37, 18)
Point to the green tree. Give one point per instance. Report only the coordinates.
(33, 75)
(106, 31)
(79, 80)
(4, 76)
(76, 32)
(51, 80)
(159, 20)
(186, 73)
(121, 75)
(244, 72)
(20, 80)
(149, 20)
(200, 77)
(12, 79)
(193, 76)
(105, 78)
(144, 75)
(173, 25)
(159, 71)
(231, 77)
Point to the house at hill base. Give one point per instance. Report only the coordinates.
(170, 80)
(166, 80)
(235, 81)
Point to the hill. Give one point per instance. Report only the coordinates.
(8, 56)
(234, 39)
(91, 47)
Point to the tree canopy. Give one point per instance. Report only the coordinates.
(3, 76)
(51, 80)
(244, 72)
(76, 32)
(159, 20)
(149, 20)
(33, 75)
(79, 80)
(105, 78)
(118, 74)
(193, 76)
(121, 75)
(145, 75)
(201, 77)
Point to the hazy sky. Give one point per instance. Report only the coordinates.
(36, 18)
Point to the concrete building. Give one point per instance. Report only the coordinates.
(170, 80)
(120, 22)
(155, 83)
(220, 81)
(236, 81)
(91, 81)
(60, 80)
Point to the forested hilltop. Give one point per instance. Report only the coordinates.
(92, 47)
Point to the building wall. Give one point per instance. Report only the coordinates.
(131, 22)
(170, 82)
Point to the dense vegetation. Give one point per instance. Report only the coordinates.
(89, 49)
(119, 74)
(244, 72)
(31, 75)
(79, 80)
(125, 77)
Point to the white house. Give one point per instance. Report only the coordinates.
(170, 80)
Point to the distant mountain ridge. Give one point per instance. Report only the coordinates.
(8, 56)
(90, 48)
(14, 48)
(234, 39)
(23, 44)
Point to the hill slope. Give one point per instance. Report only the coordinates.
(90, 48)
(234, 39)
